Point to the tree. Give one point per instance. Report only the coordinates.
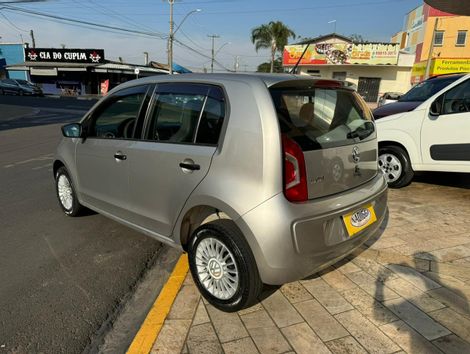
(274, 36)
(357, 38)
(266, 67)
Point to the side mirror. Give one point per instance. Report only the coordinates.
(73, 130)
(435, 109)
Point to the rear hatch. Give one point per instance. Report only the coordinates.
(335, 132)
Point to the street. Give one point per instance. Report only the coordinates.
(61, 278)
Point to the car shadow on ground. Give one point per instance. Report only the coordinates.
(269, 290)
(448, 179)
(406, 307)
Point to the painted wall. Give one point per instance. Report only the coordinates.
(13, 54)
(450, 26)
(414, 29)
(393, 78)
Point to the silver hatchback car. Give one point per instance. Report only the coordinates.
(261, 179)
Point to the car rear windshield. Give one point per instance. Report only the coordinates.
(428, 88)
(321, 118)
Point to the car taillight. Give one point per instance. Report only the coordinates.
(295, 175)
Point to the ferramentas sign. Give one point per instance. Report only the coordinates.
(66, 55)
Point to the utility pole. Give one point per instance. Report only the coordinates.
(237, 63)
(146, 58)
(431, 50)
(213, 36)
(33, 41)
(170, 39)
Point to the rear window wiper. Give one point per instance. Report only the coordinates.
(361, 132)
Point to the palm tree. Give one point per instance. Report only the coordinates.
(273, 35)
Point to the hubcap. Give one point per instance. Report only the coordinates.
(216, 268)
(65, 192)
(391, 167)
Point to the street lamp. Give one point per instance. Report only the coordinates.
(171, 36)
(333, 21)
(214, 53)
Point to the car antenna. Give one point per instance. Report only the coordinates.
(294, 69)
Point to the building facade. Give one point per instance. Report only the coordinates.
(10, 54)
(438, 36)
(76, 71)
(374, 68)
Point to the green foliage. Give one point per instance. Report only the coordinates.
(357, 38)
(274, 36)
(266, 67)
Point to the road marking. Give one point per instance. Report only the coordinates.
(41, 167)
(35, 159)
(148, 332)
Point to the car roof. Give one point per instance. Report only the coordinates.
(446, 76)
(268, 79)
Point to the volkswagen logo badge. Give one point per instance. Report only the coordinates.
(356, 156)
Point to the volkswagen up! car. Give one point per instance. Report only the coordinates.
(260, 179)
(432, 137)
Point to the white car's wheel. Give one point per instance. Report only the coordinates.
(395, 165)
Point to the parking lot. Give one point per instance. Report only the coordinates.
(406, 291)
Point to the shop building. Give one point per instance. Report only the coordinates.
(374, 68)
(442, 37)
(11, 54)
(77, 71)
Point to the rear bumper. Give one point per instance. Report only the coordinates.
(292, 241)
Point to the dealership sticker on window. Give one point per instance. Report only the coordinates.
(358, 220)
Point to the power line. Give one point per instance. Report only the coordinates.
(12, 24)
(82, 22)
(118, 16)
(201, 54)
(281, 10)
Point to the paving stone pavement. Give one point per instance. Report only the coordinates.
(407, 291)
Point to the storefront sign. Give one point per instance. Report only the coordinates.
(440, 67)
(91, 56)
(342, 53)
(104, 88)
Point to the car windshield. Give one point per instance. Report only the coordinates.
(426, 89)
(24, 82)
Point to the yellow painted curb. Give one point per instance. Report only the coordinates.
(148, 332)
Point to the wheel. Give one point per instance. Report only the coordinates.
(66, 193)
(223, 266)
(396, 166)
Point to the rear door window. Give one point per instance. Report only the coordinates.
(321, 118)
(187, 113)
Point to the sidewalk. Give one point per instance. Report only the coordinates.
(407, 292)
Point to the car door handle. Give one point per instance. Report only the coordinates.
(120, 156)
(190, 166)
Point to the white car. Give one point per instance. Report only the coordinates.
(388, 97)
(435, 136)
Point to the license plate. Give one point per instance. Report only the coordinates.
(359, 219)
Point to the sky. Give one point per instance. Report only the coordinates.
(232, 20)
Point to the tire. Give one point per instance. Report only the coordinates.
(396, 166)
(65, 190)
(229, 244)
